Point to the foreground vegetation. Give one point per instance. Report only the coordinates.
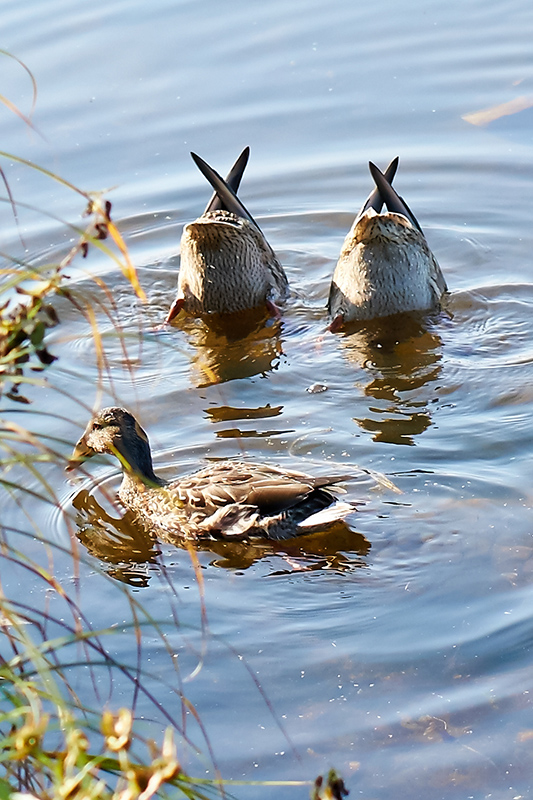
(51, 746)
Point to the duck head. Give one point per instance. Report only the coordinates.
(115, 431)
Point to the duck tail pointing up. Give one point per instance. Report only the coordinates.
(226, 195)
(391, 198)
(375, 200)
(233, 179)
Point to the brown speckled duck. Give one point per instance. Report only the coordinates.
(229, 499)
(385, 266)
(226, 264)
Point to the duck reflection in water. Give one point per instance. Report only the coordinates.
(126, 547)
(232, 346)
(402, 354)
(132, 553)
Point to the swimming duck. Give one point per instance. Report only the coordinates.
(226, 264)
(385, 265)
(229, 499)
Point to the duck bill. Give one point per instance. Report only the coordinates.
(175, 309)
(81, 452)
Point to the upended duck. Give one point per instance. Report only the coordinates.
(227, 500)
(385, 266)
(226, 263)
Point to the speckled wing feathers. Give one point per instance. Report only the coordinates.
(267, 489)
(235, 520)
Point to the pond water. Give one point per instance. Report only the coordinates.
(400, 649)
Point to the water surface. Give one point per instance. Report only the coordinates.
(398, 650)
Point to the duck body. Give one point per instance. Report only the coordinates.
(228, 500)
(226, 263)
(385, 266)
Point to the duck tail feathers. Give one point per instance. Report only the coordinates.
(226, 195)
(233, 179)
(375, 200)
(391, 198)
(327, 516)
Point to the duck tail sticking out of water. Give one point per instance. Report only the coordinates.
(375, 199)
(233, 180)
(227, 265)
(395, 204)
(385, 266)
(225, 196)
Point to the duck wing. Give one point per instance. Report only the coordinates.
(271, 496)
(233, 179)
(265, 489)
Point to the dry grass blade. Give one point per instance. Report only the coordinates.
(28, 72)
(48, 173)
(128, 269)
(12, 107)
(57, 662)
(13, 204)
(487, 115)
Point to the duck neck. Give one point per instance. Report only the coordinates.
(146, 478)
(134, 486)
(137, 467)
